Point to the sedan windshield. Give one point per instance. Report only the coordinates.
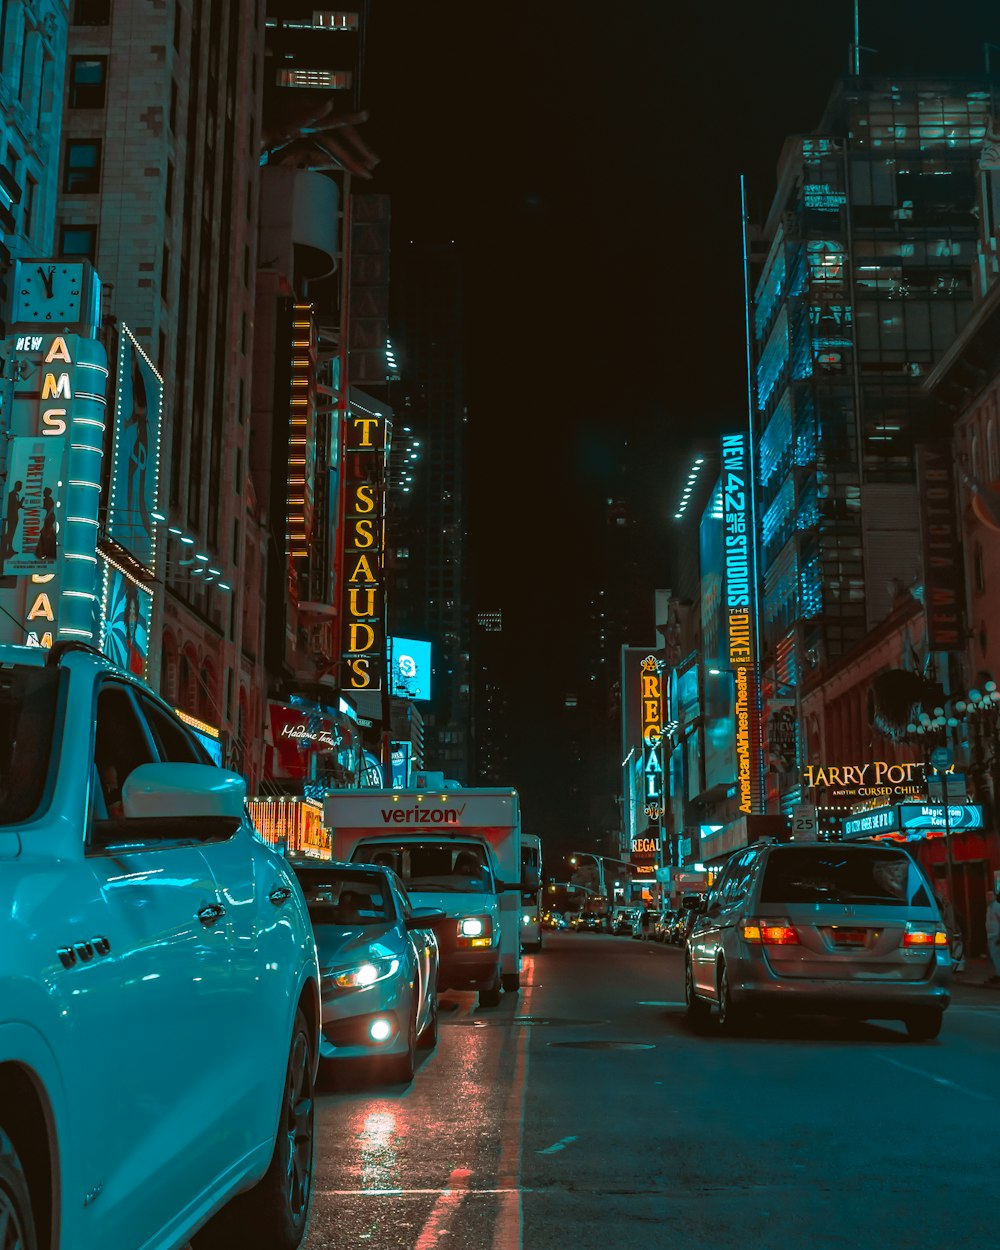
(27, 719)
(843, 874)
(451, 867)
(345, 898)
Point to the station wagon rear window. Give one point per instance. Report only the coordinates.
(843, 874)
(27, 721)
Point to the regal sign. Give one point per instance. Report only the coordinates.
(651, 711)
(740, 608)
(363, 528)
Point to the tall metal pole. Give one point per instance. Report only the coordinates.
(947, 849)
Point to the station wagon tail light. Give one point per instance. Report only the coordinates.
(923, 937)
(769, 933)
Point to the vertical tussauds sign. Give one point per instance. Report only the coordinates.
(740, 614)
(363, 529)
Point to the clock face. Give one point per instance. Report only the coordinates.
(48, 292)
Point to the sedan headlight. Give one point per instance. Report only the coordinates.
(366, 974)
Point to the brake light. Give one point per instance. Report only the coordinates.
(770, 933)
(915, 938)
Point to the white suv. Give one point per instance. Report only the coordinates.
(159, 1005)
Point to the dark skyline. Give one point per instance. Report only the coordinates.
(586, 159)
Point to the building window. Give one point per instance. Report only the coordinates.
(79, 241)
(168, 196)
(327, 19)
(82, 173)
(87, 82)
(30, 195)
(173, 105)
(92, 13)
(326, 79)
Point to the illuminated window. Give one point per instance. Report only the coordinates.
(87, 82)
(332, 19)
(327, 79)
(82, 172)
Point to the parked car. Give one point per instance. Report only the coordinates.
(662, 922)
(642, 922)
(678, 927)
(159, 990)
(621, 920)
(378, 960)
(554, 920)
(848, 929)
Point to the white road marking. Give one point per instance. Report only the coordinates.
(938, 1080)
(557, 1146)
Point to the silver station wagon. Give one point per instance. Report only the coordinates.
(829, 928)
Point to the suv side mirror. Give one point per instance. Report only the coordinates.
(170, 801)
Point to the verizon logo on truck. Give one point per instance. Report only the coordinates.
(421, 815)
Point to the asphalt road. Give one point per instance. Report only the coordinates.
(584, 1113)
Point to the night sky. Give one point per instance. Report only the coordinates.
(586, 156)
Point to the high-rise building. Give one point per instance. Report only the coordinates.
(32, 73)
(491, 711)
(870, 250)
(430, 587)
(158, 188)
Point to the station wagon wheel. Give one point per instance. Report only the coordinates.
(731, 1018)
(17, 1225)
(923, 1025)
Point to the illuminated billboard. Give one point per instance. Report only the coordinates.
(410, 676)
(740, 606)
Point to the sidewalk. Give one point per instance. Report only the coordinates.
(974, 976)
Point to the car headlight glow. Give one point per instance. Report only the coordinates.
(366, 974)
(475, 931)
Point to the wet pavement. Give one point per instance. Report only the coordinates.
(585, 1113)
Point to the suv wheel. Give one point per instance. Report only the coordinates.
(17, 1224)
(275, 1213)
(697, 1009)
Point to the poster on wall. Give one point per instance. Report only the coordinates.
(136, 457)
(411, 669)
(32, 503)
(127, 608)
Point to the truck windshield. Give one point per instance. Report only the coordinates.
(456, 867)
(27, 719)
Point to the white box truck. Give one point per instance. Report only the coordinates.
(457, 851)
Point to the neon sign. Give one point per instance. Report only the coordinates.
(651, 710)
(739, 604)
(363, 632)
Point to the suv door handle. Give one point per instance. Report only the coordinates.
(280, 894)
(210, 913)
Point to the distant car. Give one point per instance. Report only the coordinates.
(576, 920)
(846, 929)
(621, 920)
(678, 927)
(642, 923)
(159, 992)
(662, 922)
(592, 922)
(378, 959)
